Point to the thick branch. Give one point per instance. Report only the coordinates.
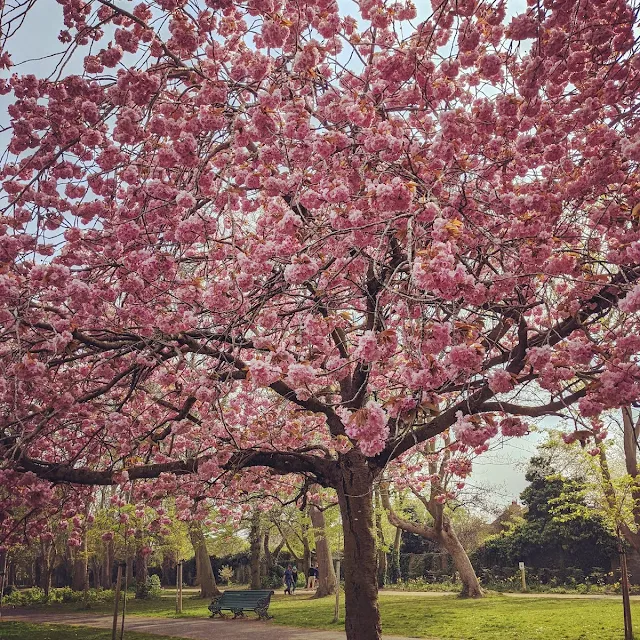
(86, 476)
(323, 470)
(410, 527)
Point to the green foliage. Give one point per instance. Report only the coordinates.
(558, 529)
(36, 596)
(151, 588)
(226, 573)
(420, 584)
(273, 580)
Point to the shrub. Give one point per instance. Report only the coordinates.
(226, 573)
(150, 589)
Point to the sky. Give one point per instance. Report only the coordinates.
(501, 470)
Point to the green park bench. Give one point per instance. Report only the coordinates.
(240, 601)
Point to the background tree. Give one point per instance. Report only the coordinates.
(558, 529)
(442, 473)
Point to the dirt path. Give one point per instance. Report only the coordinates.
(192, 628)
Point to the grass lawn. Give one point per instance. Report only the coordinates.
(496, 617)
(24, 631)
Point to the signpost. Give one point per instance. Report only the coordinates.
(522, 575)
(179, 587)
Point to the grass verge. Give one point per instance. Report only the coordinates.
(436, 617)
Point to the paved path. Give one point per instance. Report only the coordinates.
(192, 628)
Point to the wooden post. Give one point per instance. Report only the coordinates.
(179, 587)
(626, 603)
(117, 602)
(523, 576)
(3, 574)
(124, 601)
(336, 610)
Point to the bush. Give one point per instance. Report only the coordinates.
(35, 596)
(154, 588)
(26, 597)
(226, 574)
(151, 589)
(273, 580)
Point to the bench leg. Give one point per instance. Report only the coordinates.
(263, 613)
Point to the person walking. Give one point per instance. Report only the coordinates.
(288, 580)
(294, 573)
(311, 577)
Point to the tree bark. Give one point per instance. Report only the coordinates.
(46, 567)
(96, 570)
(382, 552)
(355, 490)
(141, 568)
(255, 540)
(306, 550)
(470, 584)
(631, 460)
(205, 576)
(129, 569)
(268, 558)
(396, 573)
(107, 565)
(327, 575)
(169, 568)
(80, 570)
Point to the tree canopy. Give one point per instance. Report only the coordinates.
(310, 238)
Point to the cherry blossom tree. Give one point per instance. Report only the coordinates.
(276, 235)
(434, 479)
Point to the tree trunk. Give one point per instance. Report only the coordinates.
(37, 571)
(168, 568)
(206, 578)
(107, 565)
(327, 575)
(141, 568)
(395, 573)
(268, 558)
(306, 550)
(443, 535)
(355, 490)
(129, 568)
(255, 540)
(631, 460)
(470, 584)
(80, 570)
(382, 551)
(12, 574)
(45, 568)
(96, 570)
